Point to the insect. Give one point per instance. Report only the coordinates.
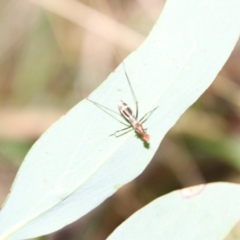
(130, 118)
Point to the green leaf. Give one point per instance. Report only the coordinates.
(76, 165)
(201, 212)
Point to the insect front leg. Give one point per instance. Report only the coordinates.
(133, 93)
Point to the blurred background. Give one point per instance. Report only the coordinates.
(55, 53)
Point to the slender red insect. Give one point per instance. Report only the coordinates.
(132, 120)
(126, 111)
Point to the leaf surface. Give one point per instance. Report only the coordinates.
(201, 212)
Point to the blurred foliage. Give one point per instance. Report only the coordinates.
(48, 62)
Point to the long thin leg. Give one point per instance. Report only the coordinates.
(103, 108)
(120, 131)
(133, 93)
(124, 133)
(142, 120)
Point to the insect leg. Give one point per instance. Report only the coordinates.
(107, 110)
(124, 133)
(133, 93)
(116, 133)
(147, 115)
